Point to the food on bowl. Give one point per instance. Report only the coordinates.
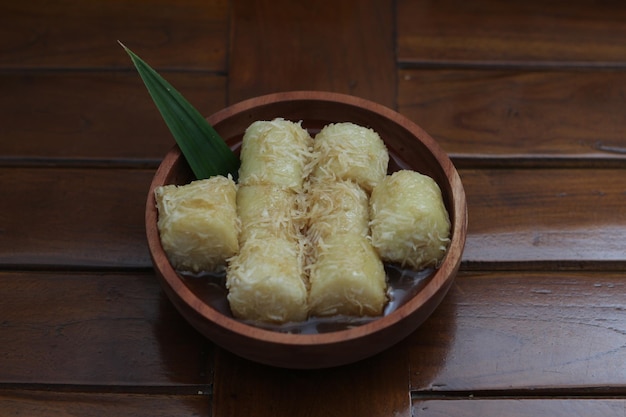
(198, 223)
(275, 153)
(318, 342)
(268, 211)
(409, 221)
(335, 207)
(266, 281)
(350, 152)
(347, 277)
(310, 223)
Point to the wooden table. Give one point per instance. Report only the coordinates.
(528, 98)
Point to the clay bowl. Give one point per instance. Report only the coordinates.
(409, 147)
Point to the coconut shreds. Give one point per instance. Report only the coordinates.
(312, 219)
(275, 153)
(266, 280)
(409, 222)
(347, 151)
(198, 223)
(267, 210)
(347, 277)
(336, 207)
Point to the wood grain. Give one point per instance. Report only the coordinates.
(242, 388)
(527, 97)
(74, 217)
(42, 404)
(524, 217)
(517, 218)
(558, 407)
(92, 116)
(483, 114)
(189, 34)
(97, 330)
(524, 332)
(283, 45)
(482, 338)
(529, 34)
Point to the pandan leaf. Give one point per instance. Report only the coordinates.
(205, 151)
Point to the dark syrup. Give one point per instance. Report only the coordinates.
(402, 284)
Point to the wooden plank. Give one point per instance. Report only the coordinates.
(533, 332)
(514, 407)
(517, 218)
(73, 217)
(92, 115)
(484, 335)
(377, 386)
(513, 114)
(44, 404)
(96, 330)
(531, 217)
(190, 34)
(285, 45)
(530, 33)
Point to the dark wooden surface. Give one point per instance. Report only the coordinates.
(529, 99)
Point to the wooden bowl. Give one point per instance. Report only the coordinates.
(409, 147)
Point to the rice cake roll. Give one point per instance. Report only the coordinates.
(347, 278)
(336, 208)
(275, 152)
(266, 210)
(347, 151)
(198, 223)
(265, 281)
(409, 222)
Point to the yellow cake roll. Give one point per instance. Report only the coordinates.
(275, 152)
(266, 283)
(266, 210)
(408, 220)
(198, 223)
(347, 278)
(350, 152)
(336, 208)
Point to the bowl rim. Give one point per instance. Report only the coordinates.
(436, 282)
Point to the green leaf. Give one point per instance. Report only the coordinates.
(205, 151)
